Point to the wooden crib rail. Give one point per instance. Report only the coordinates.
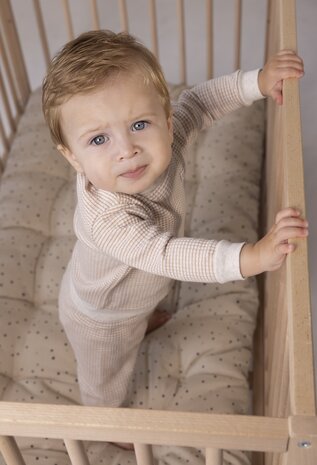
(141, 426)
(294, 439)
(302, 392)
(290, 375)
(144, 427)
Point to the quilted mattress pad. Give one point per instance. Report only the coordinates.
(200, 360)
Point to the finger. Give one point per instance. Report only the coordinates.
(276, 93)
(277, 96)
(289, 211)
(288, 61)
(286, 50)
(285, 71)
(291, 221)
(289, 66)
(285, 234)
(290, 53)
(278, 87)
(280, 63)
(285, 249)
(290, 58)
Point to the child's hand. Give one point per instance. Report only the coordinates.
(285, 64)
(269, 253)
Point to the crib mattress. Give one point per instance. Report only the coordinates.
(200, 360)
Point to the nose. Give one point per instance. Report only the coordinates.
(126, 148)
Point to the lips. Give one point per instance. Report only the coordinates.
(134, 173)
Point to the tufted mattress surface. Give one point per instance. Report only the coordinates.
(200, 360)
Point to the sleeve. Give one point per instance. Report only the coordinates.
(132, 238)
(198, 107)
(249, 87)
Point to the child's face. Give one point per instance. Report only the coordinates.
(119, 136)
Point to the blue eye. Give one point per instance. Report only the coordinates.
(139, 125)
(98, 140)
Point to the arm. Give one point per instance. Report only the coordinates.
(132, 238)
(137, 242)
(269, 253)
(198, 107)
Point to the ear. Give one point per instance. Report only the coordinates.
(70, 157)
(170, 127)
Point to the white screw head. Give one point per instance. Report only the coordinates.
(304, 444)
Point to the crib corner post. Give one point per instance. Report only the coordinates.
(302, 448)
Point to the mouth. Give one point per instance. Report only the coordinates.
(135, 173)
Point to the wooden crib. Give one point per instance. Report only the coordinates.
(283, 429)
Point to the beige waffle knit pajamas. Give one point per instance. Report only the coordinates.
(130, 247)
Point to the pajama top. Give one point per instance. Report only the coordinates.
(130, 248)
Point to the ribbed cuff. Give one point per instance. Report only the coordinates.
(249, 87)
(227, 261)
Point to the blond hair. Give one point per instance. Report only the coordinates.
(86, 62)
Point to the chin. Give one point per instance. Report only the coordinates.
(131, 190)
(137, 187)
(138, 190)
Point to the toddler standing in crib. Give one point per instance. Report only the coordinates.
(109, 112)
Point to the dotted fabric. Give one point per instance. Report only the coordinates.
(200, 360)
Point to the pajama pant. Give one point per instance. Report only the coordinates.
(105, 353)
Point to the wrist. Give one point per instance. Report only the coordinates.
(261, 84)
(249, 86)
(249, 261)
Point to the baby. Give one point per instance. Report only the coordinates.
(109, 112)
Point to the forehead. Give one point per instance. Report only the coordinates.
(120, 95)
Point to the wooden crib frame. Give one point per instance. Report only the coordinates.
(284, 425)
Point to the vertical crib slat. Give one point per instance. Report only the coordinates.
(12, 42)
(143, 454)
(5, 147)
(10, 451)
(153, 20)
(42, 32)
(3, 138)
(213, 456)
(269, 29)
(8, 73)
(238, 21)
(68, 19)
(95, 15)
(181, 41)
(6, 104)
(209, 39)
(76, 452)
(124, 15)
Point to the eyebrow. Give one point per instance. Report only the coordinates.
(91, 131)
(103, 128)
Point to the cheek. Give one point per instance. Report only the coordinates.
(165, 142)
(165, 156)
(102, 170)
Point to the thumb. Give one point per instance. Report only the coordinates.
(276, 93)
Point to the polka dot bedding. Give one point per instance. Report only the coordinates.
(200, 360)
